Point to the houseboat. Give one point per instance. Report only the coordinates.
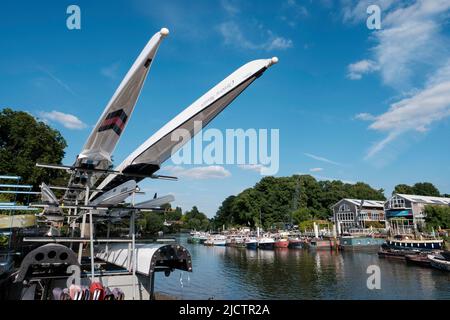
(216, 240)
(251, 243)
(406, 243)
(266, 243)
(237, 241)
(355, 242)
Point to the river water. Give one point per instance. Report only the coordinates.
(238, 273)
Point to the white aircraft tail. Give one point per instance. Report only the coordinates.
(112, 122)
(148, 158)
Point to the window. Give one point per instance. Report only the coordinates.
(397, 202)
(346, 216)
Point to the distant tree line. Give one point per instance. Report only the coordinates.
(300, 199)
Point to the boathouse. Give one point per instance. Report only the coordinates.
(405, 212)
(351, 215)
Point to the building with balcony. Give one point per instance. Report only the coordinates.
(405, 213)
(354, 214)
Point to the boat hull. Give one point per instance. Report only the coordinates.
(295, 244)
(439, 263)
(251, 245)
(415, 244)
(281, 244)
(418, 259)
(266, 245)
(360, 243)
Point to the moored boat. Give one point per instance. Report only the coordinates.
(389, 252)
(216, 240)
(281, 243)
(236, 241)
(418, 259)
(358, 243)
(266, 243)
(412, 244)
(446, 254)
(198, 237)
(320, 244)
(295, 243)
(251, 243)
(438, 262)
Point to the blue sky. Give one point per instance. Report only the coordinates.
(350, 103)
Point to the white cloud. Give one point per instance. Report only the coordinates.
(316, 169)
(358, 69)
(416, 112)
(323, 159)
(199, 173)
(69, 121)
(111, 71)
(233, 36)
(364, 116)
(410, 38)
(251, 167)
(230, 7)
(408, 49)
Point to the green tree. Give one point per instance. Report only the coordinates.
(24, 141)
(174, 215)
(151, 223)
(301, 215)
(403, 189)
(194, 219)
(426, 189)
(420, 188)
(437, 216)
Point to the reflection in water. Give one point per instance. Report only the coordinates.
(238, 273)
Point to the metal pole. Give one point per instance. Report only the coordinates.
(80, 248)
(91, 234)
(134, 254)
(133, 224)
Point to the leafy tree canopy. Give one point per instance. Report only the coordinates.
(24, 141)
(294, 199)
(437, 217)
(195, 220)
(420, 188)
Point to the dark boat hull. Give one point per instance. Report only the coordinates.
(252, 245)
(392, 254)
(295, 244)
(414, 245)
(266, 246)
(419, 260)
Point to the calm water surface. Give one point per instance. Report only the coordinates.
(238, 273)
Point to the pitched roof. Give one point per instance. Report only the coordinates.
(367, 203)
(425, 199)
